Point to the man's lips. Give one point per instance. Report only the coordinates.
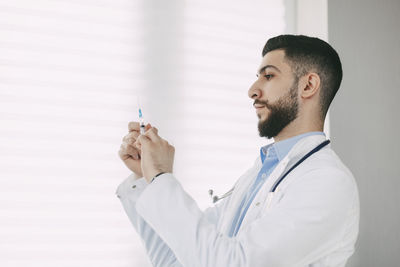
(258, 106)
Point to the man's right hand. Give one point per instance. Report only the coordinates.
(129, 153)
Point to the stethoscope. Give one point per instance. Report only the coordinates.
(273, 188)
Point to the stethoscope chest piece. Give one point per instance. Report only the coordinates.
(217, 198)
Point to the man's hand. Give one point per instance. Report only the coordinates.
(157, 154)
(130, 154)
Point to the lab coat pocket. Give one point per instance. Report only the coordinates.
(254, 211)
(272, 199)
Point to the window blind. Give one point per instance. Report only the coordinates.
(70, 72)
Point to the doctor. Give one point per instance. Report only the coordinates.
(296, 206)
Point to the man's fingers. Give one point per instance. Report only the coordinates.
(136, 140)
(129, 150)
(134, 126)
(148, 126)
(122, 154)
(142, 140)
(152, 134)
(132, 151)
(131, 137)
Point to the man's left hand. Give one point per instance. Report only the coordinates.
(157, 154)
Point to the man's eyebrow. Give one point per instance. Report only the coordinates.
(266, 67)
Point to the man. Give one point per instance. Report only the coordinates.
(297, 206)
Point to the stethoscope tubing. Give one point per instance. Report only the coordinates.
(316, 149)
(277, 183)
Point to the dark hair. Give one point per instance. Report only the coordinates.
(305, 54)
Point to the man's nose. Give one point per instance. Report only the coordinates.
(254, 92)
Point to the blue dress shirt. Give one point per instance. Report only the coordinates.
(271, 155)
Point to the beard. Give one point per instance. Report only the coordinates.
(282, 112)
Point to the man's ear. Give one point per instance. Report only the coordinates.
(310, 85)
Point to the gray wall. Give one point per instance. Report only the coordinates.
(365, 120)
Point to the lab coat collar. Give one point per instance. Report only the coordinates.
(299, 150)
(281, 149)
(302, 147)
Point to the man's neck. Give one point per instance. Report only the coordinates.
(298, 127)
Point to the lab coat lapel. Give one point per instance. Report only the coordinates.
(295, 154)
(261, 196)
(241, 188)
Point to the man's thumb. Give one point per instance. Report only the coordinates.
(148, 126)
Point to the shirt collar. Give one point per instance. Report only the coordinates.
(281, 149)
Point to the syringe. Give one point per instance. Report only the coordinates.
(141, 121)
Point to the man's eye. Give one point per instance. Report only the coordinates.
(269, 76)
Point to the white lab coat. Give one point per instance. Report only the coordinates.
(312, 218)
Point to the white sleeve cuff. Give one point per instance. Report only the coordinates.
(131, 185)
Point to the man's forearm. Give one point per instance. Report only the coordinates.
(159, 252)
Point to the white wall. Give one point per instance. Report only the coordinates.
(365, 122)
(308, 17)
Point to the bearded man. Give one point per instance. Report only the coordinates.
(298, 204)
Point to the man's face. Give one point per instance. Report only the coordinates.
(274, 94)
